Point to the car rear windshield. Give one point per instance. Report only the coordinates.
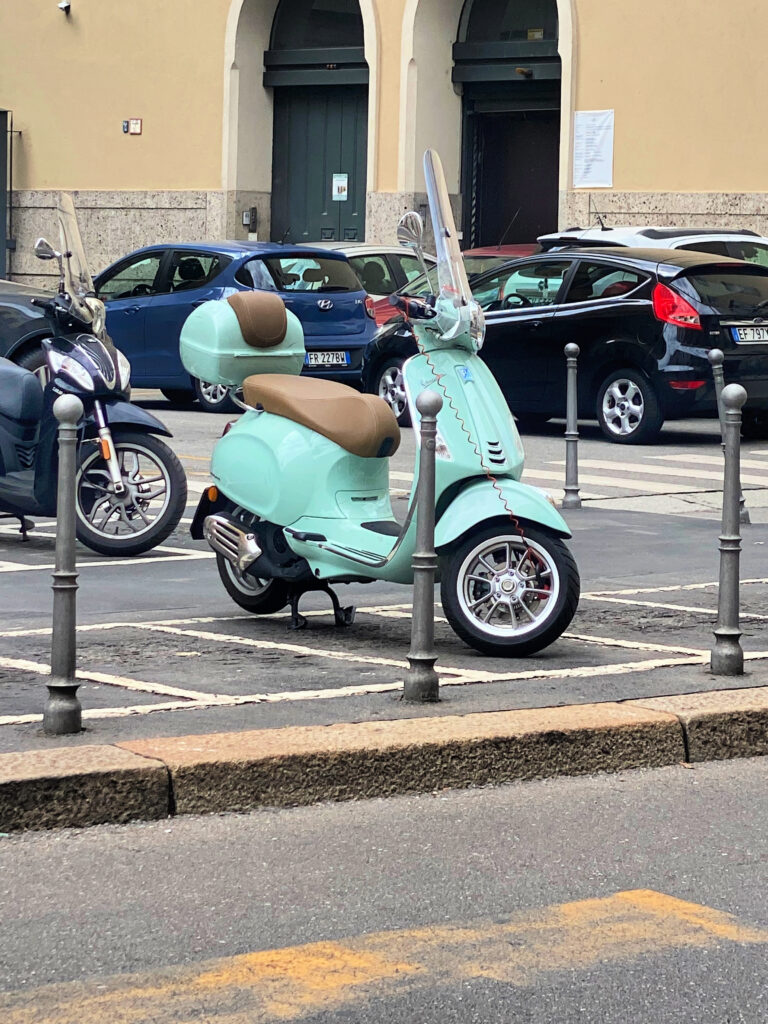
(736, 292)
(312, 274)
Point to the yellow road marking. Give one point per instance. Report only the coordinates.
(295, 982)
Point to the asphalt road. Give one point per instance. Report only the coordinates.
(166, 652)
(635, 897)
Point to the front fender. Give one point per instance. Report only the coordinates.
(125, 414)
(480, 502)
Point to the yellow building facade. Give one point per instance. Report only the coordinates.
(306, 119)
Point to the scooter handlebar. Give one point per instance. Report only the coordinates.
(414, 309)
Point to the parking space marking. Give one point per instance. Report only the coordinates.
(666, 589)
(183, 555)
(712, 612)
(123, 682)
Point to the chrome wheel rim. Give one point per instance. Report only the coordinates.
(250, 586)
(392, 389)
(623, 407)
(213, 393)
(139, 508)
(507, 586)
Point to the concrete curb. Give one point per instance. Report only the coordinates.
(151, 779)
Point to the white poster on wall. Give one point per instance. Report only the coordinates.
(593, 149)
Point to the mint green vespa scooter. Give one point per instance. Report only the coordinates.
(300, 499)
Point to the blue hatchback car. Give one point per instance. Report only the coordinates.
(150, 293)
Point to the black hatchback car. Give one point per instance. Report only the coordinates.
(644, 320)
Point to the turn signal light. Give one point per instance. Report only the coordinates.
(672, 308)
(213, 494)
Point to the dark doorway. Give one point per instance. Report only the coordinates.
(316, 65)
(319, 164)
(517, 176)
(5, 142)
(507, 65)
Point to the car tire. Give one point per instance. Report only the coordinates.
(214, 397)
(531, 420)
(628, 408)
(178, 396)
(387, 382)
(34, 359)
(754, 424)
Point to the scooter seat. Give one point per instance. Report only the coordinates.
(361, 424)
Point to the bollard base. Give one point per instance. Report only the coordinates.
(62, 714)
(727, 657)
(422, 683)
(571, 501)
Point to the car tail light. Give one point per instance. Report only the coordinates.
(370, 307)
(686, 385)
(672, 308)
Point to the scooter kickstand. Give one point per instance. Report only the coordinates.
(297, 621)
(343, 616)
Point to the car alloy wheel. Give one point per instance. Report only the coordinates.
(390, 386)
(627, 408)
(214, 397)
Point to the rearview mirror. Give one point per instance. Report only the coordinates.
(45, 251)
(410, 231)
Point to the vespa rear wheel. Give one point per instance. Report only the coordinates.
(508, 595)
(149, 508)
(255, 595)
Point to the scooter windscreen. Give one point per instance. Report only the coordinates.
(78, 282)
(458, 315)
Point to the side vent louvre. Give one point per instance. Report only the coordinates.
(496, 453)
(25, 455)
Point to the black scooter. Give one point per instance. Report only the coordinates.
(131, 489)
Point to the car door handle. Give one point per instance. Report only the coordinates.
(536, 325)
(199, 302)
(131, 310)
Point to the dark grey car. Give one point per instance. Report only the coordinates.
(22, 325)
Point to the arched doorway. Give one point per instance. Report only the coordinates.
(317, 68)
(507, 65)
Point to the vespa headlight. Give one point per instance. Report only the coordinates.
(99, 314)
(69, 367)
(123, 371)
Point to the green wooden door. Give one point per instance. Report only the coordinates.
(319, 163)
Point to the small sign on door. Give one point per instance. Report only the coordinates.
(340, 188)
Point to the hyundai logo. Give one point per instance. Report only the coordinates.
(325, 304)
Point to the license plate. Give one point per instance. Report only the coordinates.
(326, 359)
(744, 334)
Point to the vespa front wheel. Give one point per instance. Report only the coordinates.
(145, 512)
(261, 597)
(509, 595)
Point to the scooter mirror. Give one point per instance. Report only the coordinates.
(410, 231)
(45, 251)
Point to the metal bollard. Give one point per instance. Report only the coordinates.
(62, 712)
(422, 682)
(727, 657)
(716, 359)
(571, 498)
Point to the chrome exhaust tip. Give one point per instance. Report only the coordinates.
(238, 547)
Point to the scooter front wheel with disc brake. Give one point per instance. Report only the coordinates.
(509, 595)
(145, 512)
(252, 593)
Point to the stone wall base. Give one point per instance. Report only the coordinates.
(115, 223)
(720, 210)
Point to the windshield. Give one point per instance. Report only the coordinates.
(451, 274)
(741, 292)
(77, 277)
(473, 265)
(302, 273)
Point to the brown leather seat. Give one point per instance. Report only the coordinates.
(361, 424)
